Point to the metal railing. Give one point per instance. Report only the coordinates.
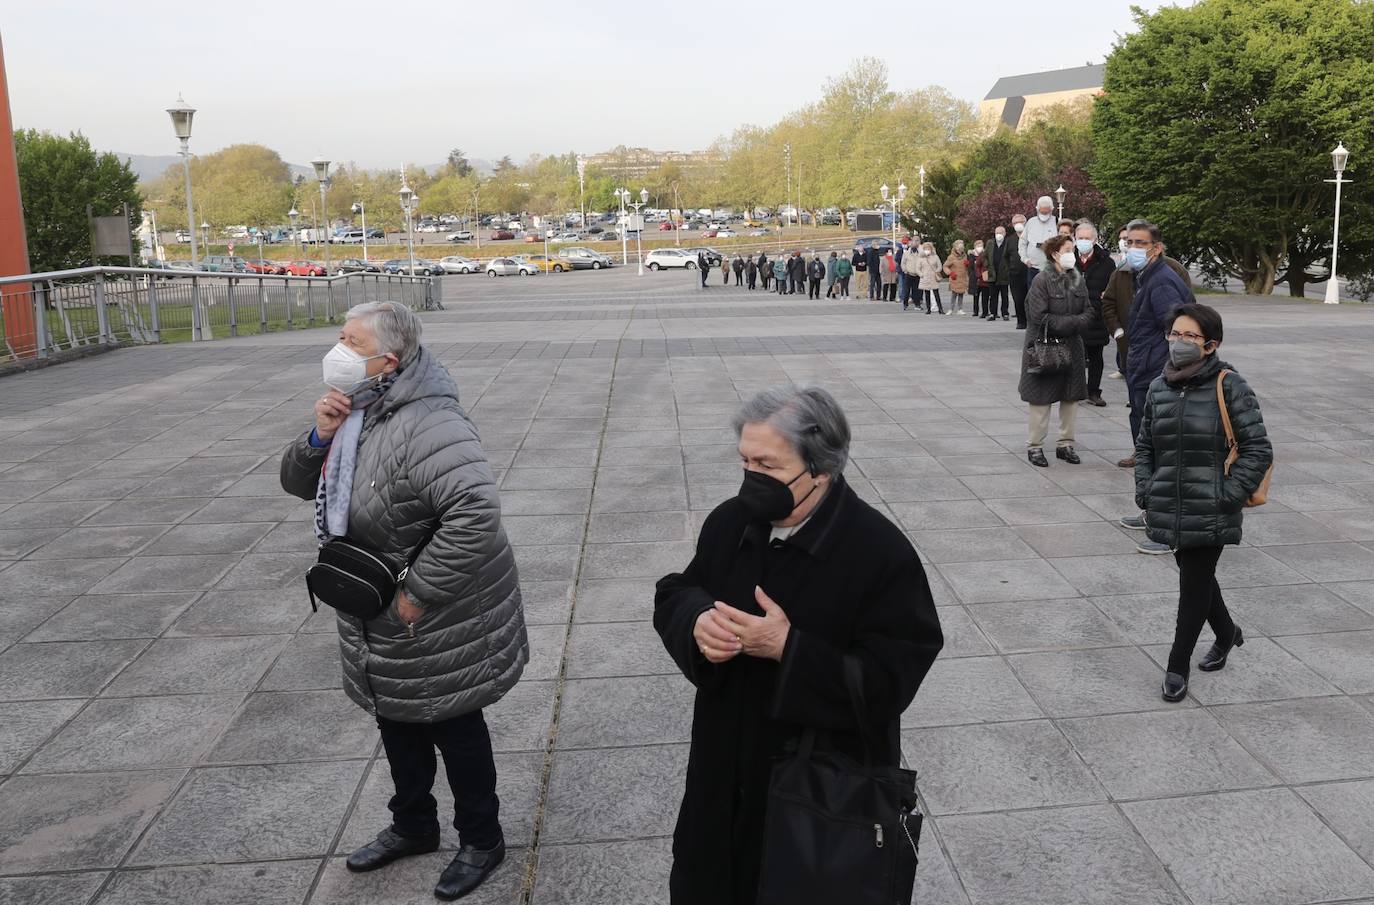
(45, 313)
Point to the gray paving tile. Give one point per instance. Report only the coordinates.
(1295, 610)
(627, 600)
(970, 690)
(1178, 752)
(618, 712)
(1250, 848)
(616, 649)
(308, 662)
(55, 823)
(1055, 510)
(961, 545)
(967, 769)
(545, 602)
(1348, 808)
(1309, 740)
(1096, 681)
(550, 562)
(165, 573)
(1083, 854)
(213, 884)
(198, 665)
(53, 577)
(1027, 625)
(62, 669)
(212, 538)
(544, 529)
(278, 727)
(520, 721)
(240, 612)
(27, 726)
(137, 734)
(639, 526)
(16, 543)
(1082, 539)
(269, 570)
(1344, 658)
(994, 581)
(630, 871)
(94, 617)
(614, 793)
(251, 813)
(51, 889)
(637, 560)
(1100, 575)
(1327, 562)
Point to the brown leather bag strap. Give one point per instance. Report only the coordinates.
(1225, 415)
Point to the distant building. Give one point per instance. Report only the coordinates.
(1015, 97)
(635, 163)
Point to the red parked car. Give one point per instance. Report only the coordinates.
(498, 234)
(305, 269)
(708, 234)
(264, 266)
(666, 224)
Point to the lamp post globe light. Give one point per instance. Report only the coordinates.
(408, 202)
(293, 215)
(1338, 160)
(1060, 194)
(321, 166)
(182, 113)
(639, 227)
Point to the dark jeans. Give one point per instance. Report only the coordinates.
(738, 275)
(1019, 288)
(875, 284)
(466, 747)
(751, 280)
(1199, 601)
(925, 293)
(1094, 356)
(1137, 393)
(813, 288)
(704, 272)
(782, 285)
(844, 287)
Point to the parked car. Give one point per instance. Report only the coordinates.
(665, 225)
(708, 233)
(661, 258)
(305, 269)
(566, 237)
(462, 235)
(758, 232)
(224, 264)
(262, 265)
(712, 255)
(357, 265)
(504, 267)
(585, 259)
(498, 235)
(609, 235)
(348, 237)
(594, 230)
(423, 267)
(883, 242)
(726, 234)
(459, 264)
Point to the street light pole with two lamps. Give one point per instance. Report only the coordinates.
(322, 176)
(409, 201)
(639, 227)
(1338, 160)
(621, 195)
(896, 200)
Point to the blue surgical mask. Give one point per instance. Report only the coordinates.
(1084, 246)
(1137, 258)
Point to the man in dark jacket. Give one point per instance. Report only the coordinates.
(703, 265)
(1097, 267)
(815, 272)
(751, 272)
(874, 259)
(1016, 274)
(796, 273)
(859, 262)
(790, 579)
(998, 255)
(737, 265)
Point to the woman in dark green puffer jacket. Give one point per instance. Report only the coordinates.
(1190, 502)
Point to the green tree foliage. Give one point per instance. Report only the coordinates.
(241, 185)
(1218, 120)
(58, 178)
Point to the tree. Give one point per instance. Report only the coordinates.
(991, 208)
(241, 185)
(58, 178)
(457, 164)
(1217, 123)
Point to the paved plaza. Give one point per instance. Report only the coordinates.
(172, 728)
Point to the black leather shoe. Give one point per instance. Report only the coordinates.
(1068, 455)
(1037, 458)
(1215, 658)
(1175, 687)
(390, 846)
(467, 870)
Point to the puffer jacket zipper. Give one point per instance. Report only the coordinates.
(1178, 482)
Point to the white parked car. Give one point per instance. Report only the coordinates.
(505, 267)
(726, 234)
(715, 224)
(463, 235)
(459, 264)
(661, 258)
(566, 237)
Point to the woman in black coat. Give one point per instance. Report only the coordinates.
(1191, 499)
(1057, 308)
(1096, 265)
(789, 577)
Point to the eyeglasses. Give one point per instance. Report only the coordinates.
(1140, 243)
(1174, 336)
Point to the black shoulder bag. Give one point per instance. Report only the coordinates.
(839, 831)
(1048, 354)
(352, 579)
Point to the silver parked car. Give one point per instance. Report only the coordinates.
(459, 264)
(505, 267)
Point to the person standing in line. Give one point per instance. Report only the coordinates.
(1193, 502)
(724, 271)
(911, 270)
(780, 274)
(1056, 308)
(796, 273)
(874, 259)
(831, 264)
(997, 258)
(1119, 256)
(751, 273)
(765, 270)
(1096, 266)
(738, 266)
(956, 265)
(703, 265)
(815, 273)
(1017, 277)
(929, 273)
(982, 297)
(843, 271)
(899, 255)
(889, 271)
(859, 262)
(1038, 229)
(1158, 291)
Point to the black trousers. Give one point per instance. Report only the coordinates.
(875, 284)
(1019, 287)
(813, 288)
(1199, 601)
(926, 293)
(1094, 357)
(782, 285)
(704, 272)
(844, 287)
(1000, 292)
(466, 746)
(752, 277)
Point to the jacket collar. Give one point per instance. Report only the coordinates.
(1211, 367)
(818, 534)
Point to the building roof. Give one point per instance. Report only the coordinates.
(1032, 83)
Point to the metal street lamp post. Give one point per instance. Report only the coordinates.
(1338, 159)
(205, 234)
(322, 176)
(182, 114)
(787, 158)
(582, 190)
(897, 199)
(1060, 194)
(409, 201)
(639, 227)
(361, 208)
(294, 215)
(620, 195)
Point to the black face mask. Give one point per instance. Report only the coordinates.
(767, 499)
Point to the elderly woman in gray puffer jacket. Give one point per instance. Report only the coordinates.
(394, 464)
(1056, 308)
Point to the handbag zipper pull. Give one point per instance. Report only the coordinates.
(410, 629)
(878, 834)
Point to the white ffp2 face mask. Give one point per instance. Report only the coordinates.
(1066, 260)
(346, 370)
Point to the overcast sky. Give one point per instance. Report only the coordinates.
(382, 83)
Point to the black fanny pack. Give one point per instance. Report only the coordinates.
(352, 579)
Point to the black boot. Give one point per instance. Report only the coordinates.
(1215, 658)
(1067, 454)
(390, 846)
(1175, 687)
(467, 870)
(1037, 457)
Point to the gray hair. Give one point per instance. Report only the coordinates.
(809, 419)
(1085, 223)
(1152, 229)
(396, 327)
